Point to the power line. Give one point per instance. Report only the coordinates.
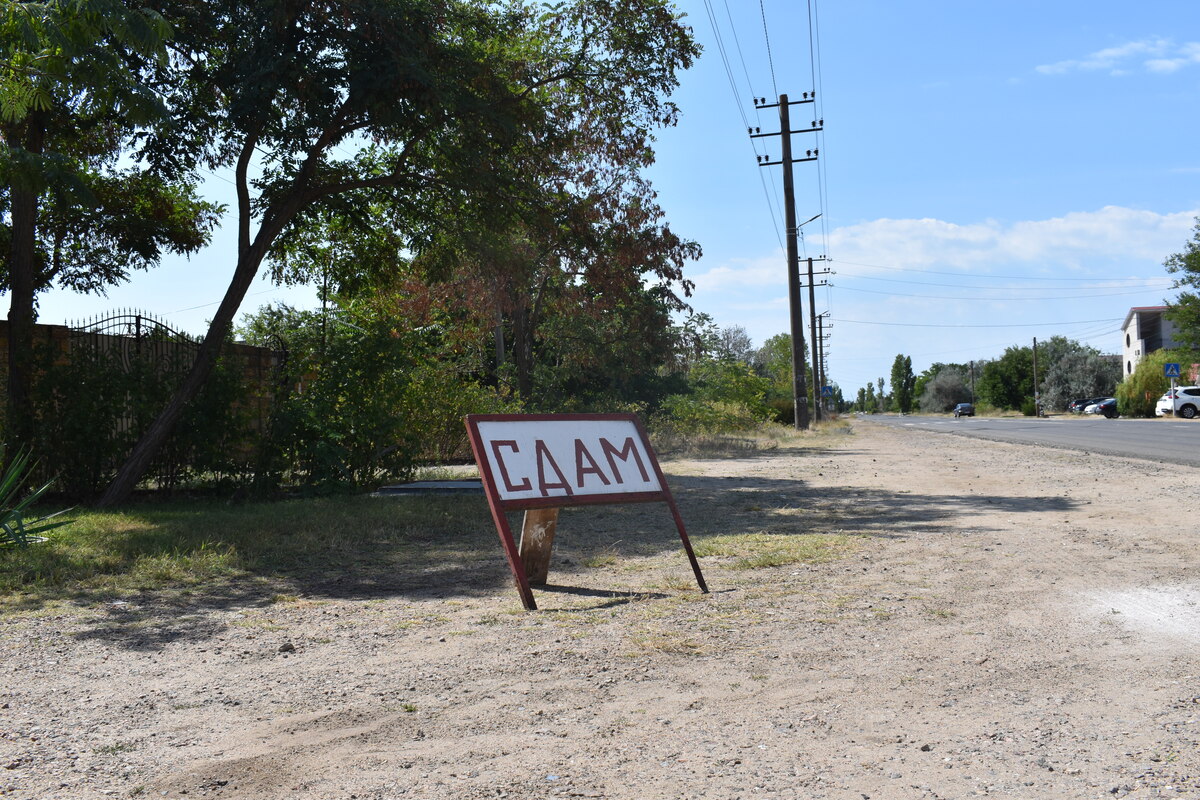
(968, 275)
(766, 35)
(1101, 285)
(712, 19)
(1009, 325)
(1019, 299)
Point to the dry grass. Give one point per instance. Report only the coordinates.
(757, 550)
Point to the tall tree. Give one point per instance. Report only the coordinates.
(902, 384)
(947, 388)
(1185, 310)
(76, 81)
(1007, 382)
(458, 100)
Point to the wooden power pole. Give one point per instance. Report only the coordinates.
(799, 391)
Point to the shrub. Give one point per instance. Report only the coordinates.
(1138, 393)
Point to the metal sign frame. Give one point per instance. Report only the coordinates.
(506, 493)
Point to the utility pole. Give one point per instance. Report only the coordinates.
(816, 347)
(1037, 410)
(822, 378)
(799, 391)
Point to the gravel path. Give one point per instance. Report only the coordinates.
(1013, 622)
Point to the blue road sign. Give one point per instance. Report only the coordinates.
(827, 391)
(1171, 371)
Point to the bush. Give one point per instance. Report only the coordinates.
(1138, 393)
(692, 416)
(434, 405)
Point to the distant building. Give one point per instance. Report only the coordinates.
(1146, 330)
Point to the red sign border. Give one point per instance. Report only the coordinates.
(499, 506)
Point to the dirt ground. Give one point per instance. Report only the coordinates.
(1011, 621)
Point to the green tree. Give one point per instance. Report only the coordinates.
(1082, 373)
(1007, 382)
(947, 388)
(773, 361)
(463, 103)
(903, 381)
(1185, 310)
(76, 90)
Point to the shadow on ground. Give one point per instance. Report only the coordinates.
(430, 548)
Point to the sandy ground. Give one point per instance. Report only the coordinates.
(1014, 622)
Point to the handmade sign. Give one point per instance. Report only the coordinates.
(542, 462)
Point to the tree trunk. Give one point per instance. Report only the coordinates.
(21, 318)
(522, 352)
(156, 435)
(21, 269)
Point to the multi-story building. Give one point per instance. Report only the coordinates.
(1145, 330)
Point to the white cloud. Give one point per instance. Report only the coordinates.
(1074, 244)
(1074, 241)
(1158, 55)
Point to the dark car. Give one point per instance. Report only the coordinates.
(1106, 406)
(964, 410)
(1077, 406)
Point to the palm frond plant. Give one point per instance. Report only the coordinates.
(15, 531)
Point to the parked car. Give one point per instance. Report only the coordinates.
(1182, 400)
(964, 410)
(1077, 406)
(1106, 407)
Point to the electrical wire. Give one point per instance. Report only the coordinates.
(766, 35)
(994, 299)
(937, 325)
(969, 275)
(712, 19)
(1101, 285)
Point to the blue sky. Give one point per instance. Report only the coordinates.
(1007, 170)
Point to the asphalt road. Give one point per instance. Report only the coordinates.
(1175, 441)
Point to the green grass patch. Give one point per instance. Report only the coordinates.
(289, 546)
(756, 550)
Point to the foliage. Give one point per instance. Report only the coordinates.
(725, 395)
(902, 384)
(92, 404)
(1008, 381)
(773, 361)
(735, 344)
(15, 531)
(1185, 310)
(1138, 393)
(945, 389)
(336, 425)
(76, 81)
(477, 115)
(369, 400)
(435, 404)
(1082, 373)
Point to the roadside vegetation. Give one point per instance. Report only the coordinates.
(1067, 370)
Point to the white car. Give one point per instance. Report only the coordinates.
(1182, 400)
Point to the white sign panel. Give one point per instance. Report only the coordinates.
(567, 458)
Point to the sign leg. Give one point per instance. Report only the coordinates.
(537, 540)
(687, 545)
(514, 560)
